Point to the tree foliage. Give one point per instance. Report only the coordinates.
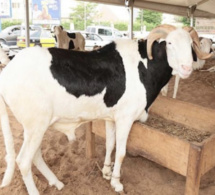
(123, 26)
(6, 23)
(81, 12)
(184, 20)
(150, 19)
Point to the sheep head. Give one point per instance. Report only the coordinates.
(196, 44)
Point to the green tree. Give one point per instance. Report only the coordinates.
(184, 20)
(149, 18)
(81, 12)
(123, 26)
(6, 23)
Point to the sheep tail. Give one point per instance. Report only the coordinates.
(9, 144)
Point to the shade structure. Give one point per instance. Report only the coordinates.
(201, 8)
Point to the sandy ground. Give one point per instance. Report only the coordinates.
(82, 176)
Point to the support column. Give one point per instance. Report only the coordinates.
(90, 141)
(129, 4)
(131, 23)
(191, 15)
(27, 37)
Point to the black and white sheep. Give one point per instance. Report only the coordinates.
(66, 40)
(65, 88)
(206, 47)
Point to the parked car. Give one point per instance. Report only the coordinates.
(92, 40)
(106, 33)
(38, 36)
(9, 35)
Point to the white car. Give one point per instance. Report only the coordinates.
(105, 32)
(92, 40)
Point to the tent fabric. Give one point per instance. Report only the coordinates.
(204, 8)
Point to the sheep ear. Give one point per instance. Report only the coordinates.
(61, 27)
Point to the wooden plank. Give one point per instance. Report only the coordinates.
(194, 169)
(157, 146)
(185, 113)
(208, 156)
(90, 141)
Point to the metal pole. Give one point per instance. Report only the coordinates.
(131, 22)
(191, 14)
(27, 42)
(191, 20)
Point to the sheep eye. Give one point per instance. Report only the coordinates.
(169, 43)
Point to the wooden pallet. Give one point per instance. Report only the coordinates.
(189, 159)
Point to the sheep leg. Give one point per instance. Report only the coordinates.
(29, 183)
(122, 131)
(44, 169)
(110, 143)
(177, 79)
(32, 141)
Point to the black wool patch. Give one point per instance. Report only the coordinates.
(89, 73)
(194, 55)
(71, 45)
(158, 72)
(71, 35)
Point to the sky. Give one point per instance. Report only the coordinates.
(120, 11)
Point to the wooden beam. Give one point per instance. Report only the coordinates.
(194, 169)
(90, 141)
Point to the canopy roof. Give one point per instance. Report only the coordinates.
(203, 8)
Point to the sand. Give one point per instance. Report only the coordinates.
(82, 176)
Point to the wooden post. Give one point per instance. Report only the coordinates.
(194, 169)
(90, 141)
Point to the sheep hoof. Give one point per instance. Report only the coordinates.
(3, 185)
(107, 172)
(6, 181)
(71, 137)
(107, 176)
(59, 185)
(115, 183)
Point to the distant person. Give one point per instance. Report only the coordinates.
(44, 15)
(36, 11)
